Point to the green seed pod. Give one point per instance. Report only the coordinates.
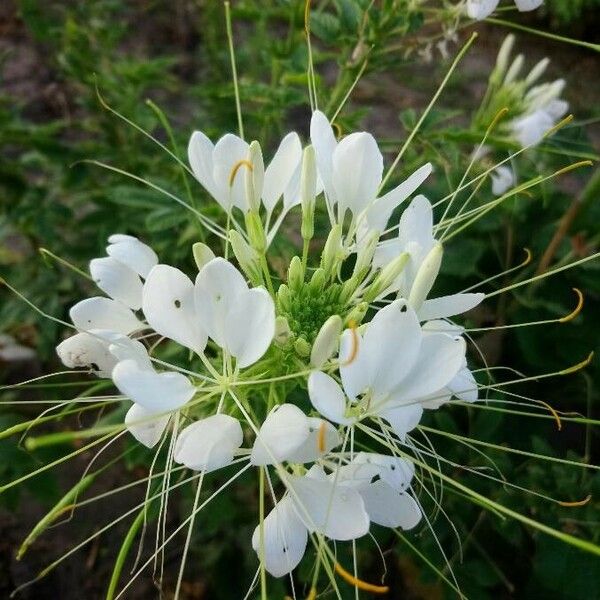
(246, 257)
(256, 232)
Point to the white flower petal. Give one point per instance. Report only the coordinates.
(328, 398)
(353, 364)
(104, 313)
(464, 386)
(218, 286)
(380, 212)
(285, 539)
(117, 281)
(169, 307)
(156, 392)
(124, 348)
(131, 252)
(250, 326)
(403, 418)
(285, 429)
(86, 350)
(145, 426)
(480, 9)
(503, 179)
(337, 511)
(395, 471)
(322, 438)
(448, 306)
(228, 152)
(209, 444)
(389, 508)
(324, 143)
(281, 169)
(357, 172)
(526, 5)
(200, 157)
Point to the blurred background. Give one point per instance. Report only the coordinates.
(164, 65)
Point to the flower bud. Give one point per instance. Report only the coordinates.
(364, 255)
(282, 331)
(332, 250)
(357, 314)
(246, 257)
(386, 277)
(317, 281)
(254, 176)
(426, 275)
(202, 254)
(256, 232)
(308, 192)
(537, 71)
(302, 347)
(284, 297)
(503, 54)
(326, 341)
(295, 274)
(514, 70)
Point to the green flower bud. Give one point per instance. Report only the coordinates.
(357, 314)
(426, 275)
(254, 176)
(282, 331)
(502, 60)
(333, 251)
(308, 192)
(364, 256)
(295, 274)
(284, 297)
(302, 347)
(246, 257)
(386, 277)
(317, 281)
(326, 342)
(256, 232)
(202, 254)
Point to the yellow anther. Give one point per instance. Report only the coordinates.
(312, 594)
(568, 168)
(499, 115)
(338, 129)
(527, 258)
(559, 125)
(236, 168)
(359, 583)
(354, 350)
(577, 309)
(578, 503)
(554, 414)
(321, 436)
(582, 365)
(307, 16)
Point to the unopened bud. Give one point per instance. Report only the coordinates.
(295, 274)
(246, 257)
(256, 232)
(308, 192)
(514, 70)
(302, 347)
(364, 255)
(254, 176)
(537, 71)
(386, 277)
(503, 55)
(332, 250)
(357, 314)
(317, 281)
(426, 275)
(284, 297)
(202, 254)
(282, 331)
(326, 342)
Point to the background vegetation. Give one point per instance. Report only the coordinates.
(62, 63)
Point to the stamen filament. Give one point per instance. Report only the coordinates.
(577, 503)
(236, 168)
(359, 583)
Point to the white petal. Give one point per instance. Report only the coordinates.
(328, 398)
(480, 9)
(131, 252)
(322, 438)
(209, 444)
(353, 364)
(169, 307)
(228, 152)
(281, 169)
(416, 224)
(200, 157)
(403, 418)
(464, 386)
(381, 211)
(116, 238)
(156, 392)
(440, 359)
(525, 5)
(502, 180)
(388, 508)
(124, 348)
(395, 471)
(530, 129)
(337, 511)
(285, 538)
(285, 429)
(324, 143)
(117, 281)
(250, 326)
(449, 306)
(86, 350)
(218, 285)
(146, 427)
(391, 345)
(357, 172)
(104, 313)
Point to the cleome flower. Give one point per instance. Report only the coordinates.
(480, 9)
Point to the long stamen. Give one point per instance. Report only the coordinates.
(577, 503)
(354, 350)
(321, 437)
(359, 583)
(236, 168)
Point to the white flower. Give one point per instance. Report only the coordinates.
(146, 426)
(351, 172)
(240, 320)
(503, 180)
(387, 372)
(287, 434)
(480, 9)
(104, 313)
(209, 444)
(222, 170)
(131, 252)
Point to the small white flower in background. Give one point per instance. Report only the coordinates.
(12, 351)
(480, 9)
(503, 179)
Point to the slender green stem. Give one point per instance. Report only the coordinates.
(261, 531)
(238, 106)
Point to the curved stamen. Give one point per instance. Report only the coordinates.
(359, 583)
(354, 350)
(578, 503)
(577, 309)
(236, 168)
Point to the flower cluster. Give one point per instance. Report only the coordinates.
(356, 332)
